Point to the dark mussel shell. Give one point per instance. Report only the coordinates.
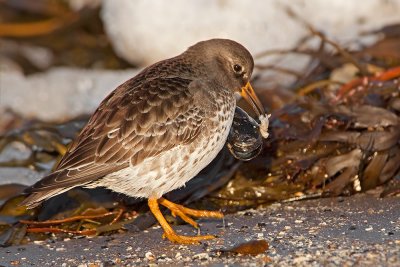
(244, 139)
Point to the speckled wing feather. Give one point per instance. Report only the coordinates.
(140, 119)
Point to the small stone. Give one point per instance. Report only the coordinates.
(201, 256)
(150, 256)
(261, 224)
(282, 233)
(178, 256)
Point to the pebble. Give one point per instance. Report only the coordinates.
(201, 256)
(150, 256)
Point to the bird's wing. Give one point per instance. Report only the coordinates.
(136, 121)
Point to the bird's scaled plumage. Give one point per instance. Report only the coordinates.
(157, 130)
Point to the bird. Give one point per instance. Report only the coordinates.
(158, 130)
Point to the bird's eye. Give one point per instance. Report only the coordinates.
(237, 68)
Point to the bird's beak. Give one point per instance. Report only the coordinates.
(250, 96)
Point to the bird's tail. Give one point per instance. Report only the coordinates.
(36, 198)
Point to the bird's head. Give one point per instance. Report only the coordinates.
(229, 64)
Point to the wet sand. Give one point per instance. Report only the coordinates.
(361, 230)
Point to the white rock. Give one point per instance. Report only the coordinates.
(145, 31)
(58, 93)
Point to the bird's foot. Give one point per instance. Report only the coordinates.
(181, 239)
(184, 213)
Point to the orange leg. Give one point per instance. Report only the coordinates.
(182, 212)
